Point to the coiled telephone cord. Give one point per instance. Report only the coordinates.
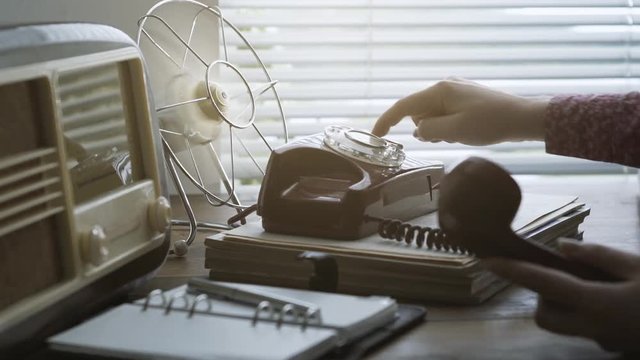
(421, 236)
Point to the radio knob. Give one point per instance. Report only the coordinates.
(160, 214)
(95, 249)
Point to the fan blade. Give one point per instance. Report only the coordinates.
(190, 111)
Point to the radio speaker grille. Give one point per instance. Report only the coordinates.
(93, 117)
(30, 195)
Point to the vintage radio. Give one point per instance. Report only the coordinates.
(83, 211)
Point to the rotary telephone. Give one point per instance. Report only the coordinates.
(335, 184)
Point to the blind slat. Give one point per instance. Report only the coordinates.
(330, 107)
(562, 74)
(442, 17)
(260, 4)
(500, 54)
(397, 89)
(439, 35)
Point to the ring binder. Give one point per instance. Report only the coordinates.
(200, 298)
(287, 331)
(152, 294)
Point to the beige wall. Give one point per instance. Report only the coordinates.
(122, 14)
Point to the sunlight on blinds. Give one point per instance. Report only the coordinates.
(345, 62)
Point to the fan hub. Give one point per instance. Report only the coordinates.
(220, 97)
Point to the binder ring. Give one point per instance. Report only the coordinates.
(309, 315)
(286, 310)
(263, 305)
(181, 295)
(200, 298)
(152, 294)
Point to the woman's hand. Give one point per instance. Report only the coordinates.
(458, 110)
(608, 313)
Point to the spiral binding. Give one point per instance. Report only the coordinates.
(422, 236)
(191, 307)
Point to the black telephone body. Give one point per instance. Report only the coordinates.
(330, 184)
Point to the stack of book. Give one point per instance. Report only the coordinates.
(377, 266)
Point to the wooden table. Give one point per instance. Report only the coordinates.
(502, 327)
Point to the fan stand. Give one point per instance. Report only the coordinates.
(173, 163)
(181, 247)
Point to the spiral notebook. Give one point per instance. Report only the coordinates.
(185, 324)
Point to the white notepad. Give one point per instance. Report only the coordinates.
(160, 329)
(351, 316)
(129, 332)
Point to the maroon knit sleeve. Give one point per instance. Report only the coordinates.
(596, 127)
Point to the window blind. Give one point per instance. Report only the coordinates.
(346, 61)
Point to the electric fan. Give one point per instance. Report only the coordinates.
(207, 105)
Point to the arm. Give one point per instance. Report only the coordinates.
(604, 127)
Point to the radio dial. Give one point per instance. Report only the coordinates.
(160, 214)
(95, 246)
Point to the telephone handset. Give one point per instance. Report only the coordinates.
(340, 183)
(478, 201)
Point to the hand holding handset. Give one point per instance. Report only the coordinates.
(478, 201)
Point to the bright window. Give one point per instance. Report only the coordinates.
(346, 61)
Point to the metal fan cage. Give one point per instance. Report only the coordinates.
(175, 165)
